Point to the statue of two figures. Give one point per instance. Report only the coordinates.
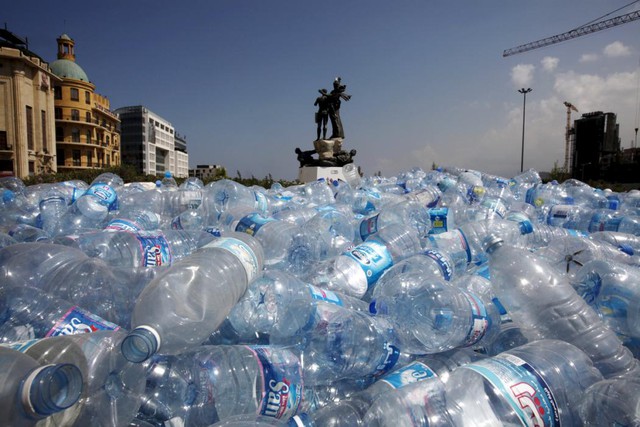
(330, 152)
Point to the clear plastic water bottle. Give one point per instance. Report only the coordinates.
(625, 242)
(277, 304)
(408, 212)
(545, 305)
(52, 206)
(543, 234)
(112, 385)
(434, 316)
(352, 410)
(611, 402)
(138, 249)
(29, 233)
(534, 384)
(135, 220)
(357, 269)
(351, 175)
(212, 383)
(30, 392)
(169, 182)
(101, 197)
(220, 196)
(16, 209)
(168, 319)
(613, 290)
(338, 343)
(30, 313)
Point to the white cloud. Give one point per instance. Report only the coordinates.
(522, 74)
(617, 49)
(589, 57)
(550, 63)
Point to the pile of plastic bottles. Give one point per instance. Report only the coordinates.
(441, 298)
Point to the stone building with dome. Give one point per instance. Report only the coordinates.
(87, 132)
(27, 128)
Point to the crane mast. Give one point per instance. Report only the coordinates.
(568, 133)
(580, 31)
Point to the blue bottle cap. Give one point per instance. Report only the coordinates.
(526, 227)
(627, 249)
(167, 174)
(8, 196)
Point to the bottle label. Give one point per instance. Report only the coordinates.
(214, 231)
(76, 194)
(475, 193)
(391, 356)
(374, 258)
(250, 224)
(452, 242)
(21, 346)
(155, 249)
(517, 217)
(242, 251)
(324, 295)
(78, 321)
(438, 220)
(282, 391)
(522, 387)
(416, 371)
(368, 227)
(123, 225)
(445, 266)
(602, 222)
(105, 195)
(480, 320)
(558, 214)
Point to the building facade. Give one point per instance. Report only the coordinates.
(596, 145)
(27, 125)
(206, 172)
(87, 132)
(149, 143)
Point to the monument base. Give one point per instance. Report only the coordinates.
(313, 173)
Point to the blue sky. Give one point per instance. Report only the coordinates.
(427, 79)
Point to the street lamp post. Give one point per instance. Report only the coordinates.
(524, 105)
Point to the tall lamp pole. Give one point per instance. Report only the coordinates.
(524, 105)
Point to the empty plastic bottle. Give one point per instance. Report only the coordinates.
(135, 220)
(532, 385)
(101, 197)
(181, 307)
(112, 385)
(613, 290)
(627, 243)
(357, 269)
(408, 212)
(169, 182)
(222, 195)
(211, 383)
(29, 313)
(52, 206)
(611, 402)
(543, 302)
(30, 392)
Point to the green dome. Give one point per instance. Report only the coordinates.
(68, 69)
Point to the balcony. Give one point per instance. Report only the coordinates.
(92, 122)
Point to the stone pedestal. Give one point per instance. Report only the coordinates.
(326, 148)
(313, 173)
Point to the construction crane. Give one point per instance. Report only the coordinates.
(569, 132)
(580, 31)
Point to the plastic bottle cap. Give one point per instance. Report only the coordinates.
(8, 196)
(167, 174)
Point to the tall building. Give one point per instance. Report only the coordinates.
(149, 143)
(27, 127)
(596, 146)
(86, 130)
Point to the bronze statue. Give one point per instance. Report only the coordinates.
(335, 97)
(341, 158)
(322, 116)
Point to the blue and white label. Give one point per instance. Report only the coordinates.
(324, 295)
(105, 195)
(374, 258)
(78, 321)
(522, 387)
(495, 205)
(250, 224)
(368, 227)
(445, 266)
(439, 222)
(559, 214)
(282, 379)
(480, 321)
(391, 356)
(242, 251)
(412, 373)
(452, 241)
(121, 224)
(155, 249)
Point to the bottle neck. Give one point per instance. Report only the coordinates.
(50, 389)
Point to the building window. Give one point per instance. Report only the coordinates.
(58, 112)
(88, 117)
(77, 160)
(87, 97)
(88, 137)
(75, 135)
(60, 156)
(43, 119)
(59, 133)
(29, 113)
(32, 168)
(57, 92)
(107, 139)
(4, 145)
(75, 94)
(75, 115)
(89, 156)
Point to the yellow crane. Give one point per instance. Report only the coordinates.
(568, 133)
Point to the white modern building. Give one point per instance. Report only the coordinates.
(206, 172)
(148, 142)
